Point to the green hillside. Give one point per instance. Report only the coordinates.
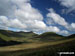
(17, 34)
(27, 37)
(10, 37)
(6, 34)
(31, 44)
(39, 49)
(49, 36)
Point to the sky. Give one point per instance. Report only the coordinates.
(38, 16)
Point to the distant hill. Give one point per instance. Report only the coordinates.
(33, 44)
(7, 33)
(71, 36)
(17, 34)
(8, 37)
(50, 36)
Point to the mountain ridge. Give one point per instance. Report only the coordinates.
(8, 37)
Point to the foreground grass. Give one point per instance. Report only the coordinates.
(39, 49)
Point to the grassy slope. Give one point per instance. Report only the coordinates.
(38, 49)
(4, 37)
(16, 36)
(8, 38)
(49, 36)
(28, 36)
(39, 46)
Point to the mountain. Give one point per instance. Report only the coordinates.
(17, 34)
(33, 44)
(8, 37)
(9, 33)
(71, 36)
(39, 48)
(50, 36)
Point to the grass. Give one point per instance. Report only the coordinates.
(39, 48)
(46, 44)
(4, 37)
(16, 36)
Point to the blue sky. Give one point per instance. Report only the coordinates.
(38, 16)
(43, 5)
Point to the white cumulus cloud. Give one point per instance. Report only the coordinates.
(73, 25)
(56, 17)
(70, 4)
(60, 20)
(20, 14)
